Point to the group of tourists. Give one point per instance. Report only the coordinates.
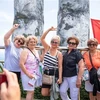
(24, 62)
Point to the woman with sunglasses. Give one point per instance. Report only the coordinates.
(71, 78)
(52, 59)
(95, 55)
(12, 51)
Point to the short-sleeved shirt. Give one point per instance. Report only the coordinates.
(12, 55)
(95, 59)
(70, 62)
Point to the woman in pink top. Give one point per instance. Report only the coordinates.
(29, 63)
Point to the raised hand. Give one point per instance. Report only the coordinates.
(53, 29)
(15, 26)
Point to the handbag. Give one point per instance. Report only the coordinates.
(93, 71)
(47, 79)
(98, 74)
(48, 76)
(57, 87)
(85, 75)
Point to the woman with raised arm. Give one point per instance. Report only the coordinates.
(12, 51)
(52, 59)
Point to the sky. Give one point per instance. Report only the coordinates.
(50, 15)
(7, 16)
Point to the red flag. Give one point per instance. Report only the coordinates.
(96, 28)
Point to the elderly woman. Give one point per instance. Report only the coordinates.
(52, 59)
(71, 78)
(29, 63)
(95, 55)
(12, 51)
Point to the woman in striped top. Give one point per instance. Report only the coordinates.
(52, 59)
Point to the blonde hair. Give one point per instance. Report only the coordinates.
(20, 37)
(31, 37)
(57, 37)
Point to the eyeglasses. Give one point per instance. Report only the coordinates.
(71, 43)
(92, 45)
(54, 42)
(21, 43)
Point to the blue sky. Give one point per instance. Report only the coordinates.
(7, 15)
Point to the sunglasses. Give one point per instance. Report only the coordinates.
(71, 43)
(21, 43)
(92, 45)
(54, 42)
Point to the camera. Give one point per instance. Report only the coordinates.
(2, 76)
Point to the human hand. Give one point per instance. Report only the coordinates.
(15, 26)
(78, 83)
(10, 90)
(31, 76)
(53, 29)
(59, 81)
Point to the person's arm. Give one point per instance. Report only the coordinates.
(80, 73)
(9, 33)
(10, 91)
(42, 55)
(43, 41)
(60, 59)
(23, 58)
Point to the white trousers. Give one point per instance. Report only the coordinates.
(69, 82)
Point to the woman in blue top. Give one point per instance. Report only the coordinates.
(12, 51)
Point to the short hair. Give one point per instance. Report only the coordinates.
(31, 37)
(20, 37)
(92, 40)
(57, 37)
(74, 38)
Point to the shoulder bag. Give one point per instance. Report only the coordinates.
(85, 75)
(48, 79)
(93, 71)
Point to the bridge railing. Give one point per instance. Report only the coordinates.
(82, 49)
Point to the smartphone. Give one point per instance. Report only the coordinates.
(2, 76)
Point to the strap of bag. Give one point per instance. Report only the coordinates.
(55, 65)
(32, 53)
(91, 59)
